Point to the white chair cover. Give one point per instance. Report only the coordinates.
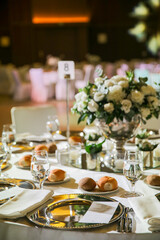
(31, 119)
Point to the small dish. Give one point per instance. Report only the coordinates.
(47, 182)
(98, 192)
(18, 166)
(151, 186)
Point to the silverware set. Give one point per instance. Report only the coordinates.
(125, 223)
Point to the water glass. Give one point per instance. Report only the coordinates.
(3, 157)
(40, 166)
(75, 154)
(52, 125)
(132, 170)
(8, 136)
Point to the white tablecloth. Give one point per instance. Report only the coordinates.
(72, 186)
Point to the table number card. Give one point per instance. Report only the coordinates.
(66, 68)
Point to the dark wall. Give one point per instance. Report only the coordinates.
(32, 43)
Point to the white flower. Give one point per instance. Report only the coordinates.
(115, 93)
(124, 84)
(148, 90)
(126, 105)
(92, 106)
(145, 112)
(137, 96)
(98, 81)
(81, 96)
(98, 96)
(109, 107)
(81, 106)
(153, 101)
(118, 78)
(109, 83)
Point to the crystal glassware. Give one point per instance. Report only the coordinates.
(8, 136)
(52, 125)
(40, 166)
(132, 170)
(3, 157)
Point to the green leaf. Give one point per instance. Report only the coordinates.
(82, 117)
(94, 148)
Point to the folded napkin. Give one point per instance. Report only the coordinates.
(147, 209)
(24, 202)
(154, 224)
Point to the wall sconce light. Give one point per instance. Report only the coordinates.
(5, 41)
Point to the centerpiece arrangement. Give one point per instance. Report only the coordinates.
(117, 105)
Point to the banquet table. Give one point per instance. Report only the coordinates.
(22, 228)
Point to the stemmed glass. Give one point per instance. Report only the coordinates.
(132, 170)
(3, 157)
(52, 125)
(40, 166)
(8, 136)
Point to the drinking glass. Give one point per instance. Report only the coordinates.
(8, 136)
(52, 125)
(3, 157)
(40, 166)
(132, 170)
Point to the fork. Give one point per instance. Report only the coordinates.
(125, 223)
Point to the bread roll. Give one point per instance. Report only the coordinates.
(56, 175)
(107, 183)
(74, 139)
(88, 184)
(41, 147)
(51, 147)
(153, 180)
(25, 161)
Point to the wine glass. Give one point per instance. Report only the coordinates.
(52, 125)
(8, 136)
(40, 166)
(132, 170)
(3, 157)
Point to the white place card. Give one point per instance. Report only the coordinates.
(66, 68)
(99, 212)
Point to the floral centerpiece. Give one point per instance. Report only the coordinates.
(120, 97)
(118, 103)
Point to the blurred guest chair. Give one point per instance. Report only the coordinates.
(22, 89)
(82, 78)
(31, 119)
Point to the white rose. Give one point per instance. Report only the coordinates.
(118, 78)
(81, 96)
(92, 106)
(126, 105)
(137, 96)
(81, 106)
(98, 81)
(148, 90)
(109, 107)
(145, 112)
(98, 96)
(124, 84)
(153, 101)
(115, 93)
(109, 83)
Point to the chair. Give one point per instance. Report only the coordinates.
(22, 90)
(31, 119)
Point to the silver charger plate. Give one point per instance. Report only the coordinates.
(65, 211)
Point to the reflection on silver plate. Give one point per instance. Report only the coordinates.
(6, 183)
(4, 165)
(67, 178)
(21, 167)
(152, 186)
(65, 211)
(98, 192)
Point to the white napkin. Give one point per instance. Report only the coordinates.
(99, 212)
(24, 202)
(10, 192)
(147, 209)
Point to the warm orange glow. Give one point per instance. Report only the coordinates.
(41, 20)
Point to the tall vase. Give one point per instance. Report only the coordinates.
(119, 131)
